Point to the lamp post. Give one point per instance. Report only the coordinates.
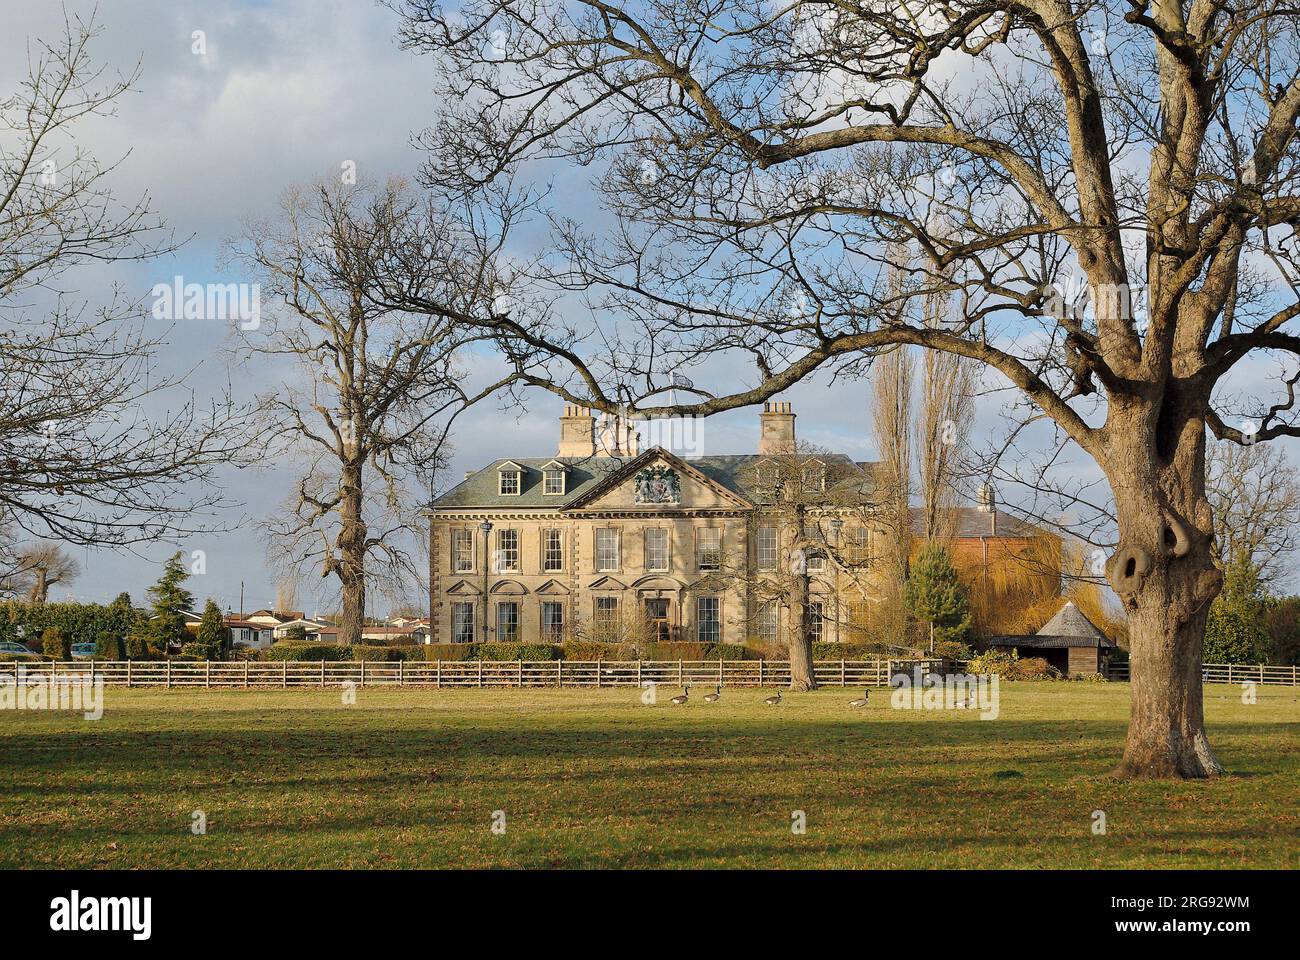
(835, 523)
(486, 527)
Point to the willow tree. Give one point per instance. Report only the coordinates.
(1106, 193)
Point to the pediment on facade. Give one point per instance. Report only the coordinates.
(553, 588)
(709, 584)
(608, 583)
(509, 588)
(463, 588)
(658, 480)
(658, 582)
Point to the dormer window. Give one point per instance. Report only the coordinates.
(553, 479)
(814, 476)
(510, 480)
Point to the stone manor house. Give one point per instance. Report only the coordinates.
(604, 541)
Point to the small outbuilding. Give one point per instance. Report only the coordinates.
(1070, 642)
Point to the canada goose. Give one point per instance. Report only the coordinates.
(774, 699)
(682, 697)
(862, 700)
(715, 696)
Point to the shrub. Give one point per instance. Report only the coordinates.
(368, 651)
(675, 651)
(245, 653)
(828, 650)
(447, 651)
(200, 651)
(55, 644)
(729, 651)
(1035, 668)
(993, 660)
(137, 646)
(295, 633)
(108, 646)
(288, 650)
(952, 649)
(593, 650)
(518, 651)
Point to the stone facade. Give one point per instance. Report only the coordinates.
(604, 543)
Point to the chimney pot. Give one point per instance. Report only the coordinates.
(577, 432)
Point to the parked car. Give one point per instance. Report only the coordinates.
(8, 646)
(82, 650)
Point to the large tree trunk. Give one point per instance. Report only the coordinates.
(352, 555)
(802, 676)
(799, 640)
(1164, 574)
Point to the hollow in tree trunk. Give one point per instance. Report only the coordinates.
(1164, 573)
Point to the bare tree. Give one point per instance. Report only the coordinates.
(378, 388)
(80, 460)
(817, 503)
(44, 565)
(1256, 500)
(751, 153)
(892, 386)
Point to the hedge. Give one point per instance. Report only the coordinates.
(288, 650)
(372, 651)
(491, 651)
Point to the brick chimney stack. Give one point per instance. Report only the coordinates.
(577, 432)
(776, 428)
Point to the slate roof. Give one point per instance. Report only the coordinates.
(1069, 628)
(736, 473)
(480, 489)
(974, 522)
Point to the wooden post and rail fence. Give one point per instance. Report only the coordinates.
(599, 674)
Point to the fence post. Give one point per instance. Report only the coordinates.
(169, 673)
(401, 673)
(438, 674)
(719, 671)
(92, 671)
(760, 671)
(245, 674)
(638, 672)
(597, 673)
(363, 673)
(841, 671)
(128, 673)
(521, 673)
(207, 673)
(284, 673)
(480, 672)
(679, 671)
(322, 674)
(559, 673)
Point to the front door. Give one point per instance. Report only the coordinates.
(656, 612)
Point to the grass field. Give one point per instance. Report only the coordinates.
(590, 778)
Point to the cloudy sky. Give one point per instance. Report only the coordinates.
(287, 91)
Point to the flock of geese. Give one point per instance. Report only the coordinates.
(774, 700)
